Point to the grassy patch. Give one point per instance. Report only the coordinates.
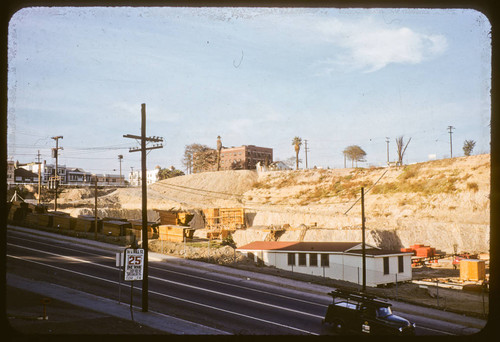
(472, 186)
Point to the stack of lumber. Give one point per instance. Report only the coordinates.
(174, 233)
(31, 219)
(115, 228)
(137, 229)
(174, 218)
(45, 220)
(167, 217)
(86, 223)
(62, 220)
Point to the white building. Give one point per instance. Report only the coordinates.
(336, 260)
(152, 176)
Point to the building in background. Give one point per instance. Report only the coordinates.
(70, 176)
(244, 157)
(152, 176)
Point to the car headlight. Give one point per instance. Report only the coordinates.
(400, 329)
(414, 325)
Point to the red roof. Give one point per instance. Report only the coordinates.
(299, 246)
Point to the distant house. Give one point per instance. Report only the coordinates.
(24, 176)
(152, 176)
(274, 166)
(335, 260)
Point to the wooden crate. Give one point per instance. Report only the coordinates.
(228, 218)
(233, 218)
(472, 269)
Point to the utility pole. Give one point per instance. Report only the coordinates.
(306, 150)
(450, 128)
(120, 157)
(363, 248)
(39, 177)
(55, 153)
(143, 139)
(387, 141)
(95, 208)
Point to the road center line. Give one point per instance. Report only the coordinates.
(168, 296)
(199, 277)
(178, 283)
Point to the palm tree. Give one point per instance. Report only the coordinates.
(219, 148)
(297, 142)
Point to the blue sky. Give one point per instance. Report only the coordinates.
(253, 76)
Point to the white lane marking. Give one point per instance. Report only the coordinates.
(172, 297)
(202, 278)
(178, 283)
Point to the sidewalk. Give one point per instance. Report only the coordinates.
(82, 310)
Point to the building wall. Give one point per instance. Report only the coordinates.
(245, 157)
(342, 266)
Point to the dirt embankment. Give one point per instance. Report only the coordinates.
(441, 203)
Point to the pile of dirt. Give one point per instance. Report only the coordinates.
(440, 203)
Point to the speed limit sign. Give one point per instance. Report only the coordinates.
(134, 264)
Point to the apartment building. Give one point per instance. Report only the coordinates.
(244, 157)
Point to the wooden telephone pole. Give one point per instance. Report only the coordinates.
(143, 139)
(55, 154)
(363, 247)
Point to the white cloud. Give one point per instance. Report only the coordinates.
(370, 46)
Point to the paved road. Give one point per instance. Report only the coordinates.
(228, 303)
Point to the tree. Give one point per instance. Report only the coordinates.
(468, 147)
(297, 142)
(401, 150)
(354, 153)
(198, 157)
(169, 173)
(219, 149)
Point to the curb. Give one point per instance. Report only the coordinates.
(110, 307)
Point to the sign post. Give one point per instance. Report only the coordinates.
(134, 270)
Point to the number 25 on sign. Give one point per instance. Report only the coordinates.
(134, 264)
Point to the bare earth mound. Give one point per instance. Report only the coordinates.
(440, 203)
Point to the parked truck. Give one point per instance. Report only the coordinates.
(353, 312)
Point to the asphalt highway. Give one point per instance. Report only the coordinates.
(232, 304)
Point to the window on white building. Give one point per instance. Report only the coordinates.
(325, 261)
(302, 259)
(291, 259)
(386, 265)
(313, 259)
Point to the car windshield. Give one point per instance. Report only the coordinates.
(384, 311)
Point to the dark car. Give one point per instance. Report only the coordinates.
(365, 314)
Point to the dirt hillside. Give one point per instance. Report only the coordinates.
(440, 203)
